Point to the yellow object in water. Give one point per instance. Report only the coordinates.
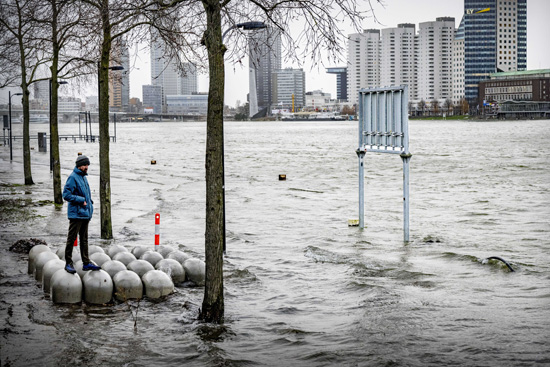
(353, 222)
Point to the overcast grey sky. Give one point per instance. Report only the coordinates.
(393, 13)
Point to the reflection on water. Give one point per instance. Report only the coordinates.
(303, 288)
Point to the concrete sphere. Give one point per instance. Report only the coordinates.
(173, 269)
(33, 253)
(99, 258)
(49, 270)
(75, 254)
(112, 267)
(140, 250)
(98, 287)
(65, 287)
(157, 284)
(92, 249)
(124, 257)
(140, 267)
(60, 252)
(152, 257)
(78, 267)
(127, 285)
(195, 270)
(115, 249)
(165, 250)
(179, 256)
(41, 260)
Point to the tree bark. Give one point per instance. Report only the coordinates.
(26, 113)
(104, 161)
(54, 129)
(213, 302)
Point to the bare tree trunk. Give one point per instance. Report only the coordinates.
(104, 162)
(54, 129)
(213, 302)
(26, 117)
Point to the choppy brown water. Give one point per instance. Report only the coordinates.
(303, 288)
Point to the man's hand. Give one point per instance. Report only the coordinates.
(85, 203)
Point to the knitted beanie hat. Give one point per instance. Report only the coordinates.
(82, 160)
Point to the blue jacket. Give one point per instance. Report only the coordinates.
(76, 191)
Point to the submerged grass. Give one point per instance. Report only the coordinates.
(16, 206)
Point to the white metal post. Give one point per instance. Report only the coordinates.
(361, 156)
(406, 156)
(406, 159)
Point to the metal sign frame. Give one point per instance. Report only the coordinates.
(384, 128)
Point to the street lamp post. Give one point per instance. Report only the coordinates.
(246, 26)
(9, 112)
(116, 67)
(50, 98)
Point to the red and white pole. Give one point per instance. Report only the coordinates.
(157, 231)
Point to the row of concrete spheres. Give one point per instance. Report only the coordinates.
(124, 274)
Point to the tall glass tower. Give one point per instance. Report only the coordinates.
(495, 39)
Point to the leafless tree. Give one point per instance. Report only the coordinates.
(422, 106)
(109, 22)
(435, 107)
(464, 106)
(61, 21)
(21, 36)
(308, 30)
(448, 104)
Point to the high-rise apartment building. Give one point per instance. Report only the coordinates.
(264, 53)
(458, 65)
(189, 80)
(363, 62)
(119, 81)
(164, 72)
(289, 86)
(434, 60)
(397, 57)
(341, 82)
(495, 39)
(41, 90)
(152, 97)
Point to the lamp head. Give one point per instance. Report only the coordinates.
(251, 25)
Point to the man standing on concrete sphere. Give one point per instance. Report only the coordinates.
(77, 193)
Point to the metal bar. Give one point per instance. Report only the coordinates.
(361, 156)
(370, 118)
(375, 150)
(406, 159)
(389, 118)
(405, 118)
(397, 114)
(361, 121)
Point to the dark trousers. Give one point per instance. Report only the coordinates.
(77, 227)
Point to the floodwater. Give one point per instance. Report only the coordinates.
(301, 287)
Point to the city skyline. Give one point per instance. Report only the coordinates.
(394, 13)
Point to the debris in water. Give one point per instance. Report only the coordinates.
(24, 246)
